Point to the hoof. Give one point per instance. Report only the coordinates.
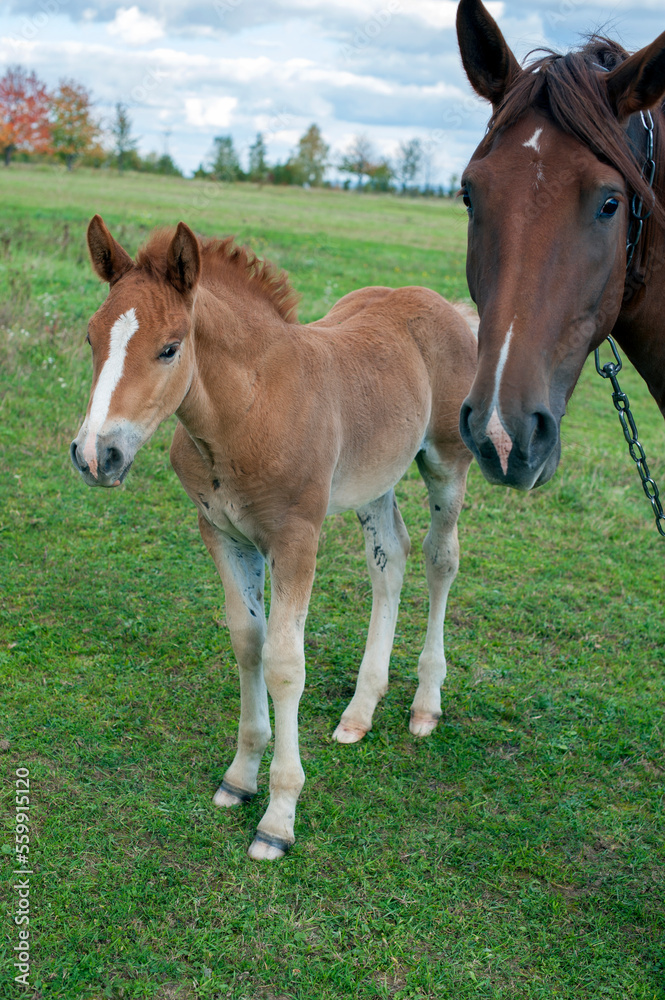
(265, 848)
(423, 723)
(348, 734)
(228, 795)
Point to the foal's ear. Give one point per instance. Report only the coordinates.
(639, 82)
(183, 260)
(490, 65)
(108, 258)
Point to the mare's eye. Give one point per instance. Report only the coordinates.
(467, 200)
(609, 208)
(169, 352)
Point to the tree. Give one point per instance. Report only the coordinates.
(121, 130)
(258, 166)
(380, 175)
(358, 159)
(310, 162)
(224, 159)
(73, 129)
(24, 109)
(409, 156)
(156, 163)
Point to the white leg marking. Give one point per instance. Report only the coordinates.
(386, 548)
(122, 332)
(495, 430)
(445, 486)
(534, 141)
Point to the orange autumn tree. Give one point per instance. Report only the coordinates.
(73, 128)
(24, 110)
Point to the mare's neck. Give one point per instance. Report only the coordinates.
(640, 328)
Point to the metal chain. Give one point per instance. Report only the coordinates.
(612, 368)
(637, 214)
(620, 400)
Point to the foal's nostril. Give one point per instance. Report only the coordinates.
(113, 461)
(79, 464)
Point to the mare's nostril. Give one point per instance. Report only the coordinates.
(544, 437)
(464, 424)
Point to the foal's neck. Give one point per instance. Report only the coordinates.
(233, 338)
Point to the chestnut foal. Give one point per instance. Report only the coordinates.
(279, 425)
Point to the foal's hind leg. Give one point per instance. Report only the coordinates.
(242, 570)
(446, 482)
(386, 546)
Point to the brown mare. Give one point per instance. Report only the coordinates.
(549, 193)
(279, 425)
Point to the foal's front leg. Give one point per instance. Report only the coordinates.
(242, 570)
(292, 566)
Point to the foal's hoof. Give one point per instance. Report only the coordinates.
(348, 734)
(423, 723)
(228, 795)
(266, 848)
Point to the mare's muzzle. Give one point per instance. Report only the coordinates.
(522, 455)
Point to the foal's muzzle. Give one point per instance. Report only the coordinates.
(530, 449)
(112, 464)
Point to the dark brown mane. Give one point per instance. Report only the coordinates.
(570, 90)
(223, 260)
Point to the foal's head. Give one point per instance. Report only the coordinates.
(548, 196)
(142, 352)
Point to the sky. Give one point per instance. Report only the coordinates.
(190, 70)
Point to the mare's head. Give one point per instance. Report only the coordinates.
(142, 351)
(548, 195)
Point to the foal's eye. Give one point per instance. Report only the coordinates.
(609, 208)
(169, 352)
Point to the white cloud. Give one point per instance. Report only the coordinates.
(441, 13)
(135, 28)
(216, 111)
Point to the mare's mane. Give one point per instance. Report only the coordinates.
(225, 262)
(570, 89)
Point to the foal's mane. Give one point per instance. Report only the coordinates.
(570, 90)
(225, 262)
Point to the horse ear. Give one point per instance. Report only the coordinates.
(639, 82)
(490, 65)
(183, 260)
(108, 258)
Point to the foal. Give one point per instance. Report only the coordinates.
(279, 425)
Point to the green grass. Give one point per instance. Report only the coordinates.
(517, 853)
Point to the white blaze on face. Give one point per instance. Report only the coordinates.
(122, 332)
(534, 141)
(495, 430)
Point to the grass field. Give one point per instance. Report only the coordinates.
(516, 854)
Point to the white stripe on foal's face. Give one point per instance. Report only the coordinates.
(495, 430)
(122, 332)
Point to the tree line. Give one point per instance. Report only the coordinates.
(408, 171)
(62, 124)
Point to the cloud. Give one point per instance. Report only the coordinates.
(216, 111)
(133, 27)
